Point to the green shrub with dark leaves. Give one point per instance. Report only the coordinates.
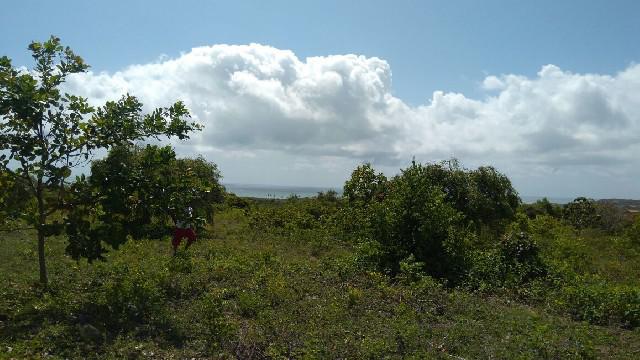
(598, 302)
(633, 232)
(433, 212)
(520, 256)
(133, 192)
(515, 261)
(414, 219)
(542, 207)
(484, 195)
(293, 214)
(15, 198)
(581, 213)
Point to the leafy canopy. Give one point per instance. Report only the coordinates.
(133, 191)
(45, 132)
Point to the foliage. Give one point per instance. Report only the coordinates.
(15, 199)
(521, 257)
(485, 196)
(611, 218)
(542, 207)
(364, 185)
(581, 213)
(633, 232)
(44, 133)
(513, 262)
(494, 201)
(133, 191)
(232, 200)
(413, 218)
(330, 195)
(429, 211)
(259, 295)
(598, 302)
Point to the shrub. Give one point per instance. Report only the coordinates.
(364, 185)
(542, 207)
(132, 192)
(520, 255)
(514, 262)
(601, 303)
(214, 328)
(414, 219)
(234, 201)
(581, 213)
(128, 298)
(611, 218)
(633, 232)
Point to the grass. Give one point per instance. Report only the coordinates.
(258, 294)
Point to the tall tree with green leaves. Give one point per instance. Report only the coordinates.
(45, 133)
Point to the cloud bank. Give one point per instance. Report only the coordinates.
(254, 99)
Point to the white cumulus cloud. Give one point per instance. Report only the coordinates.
(255, 99)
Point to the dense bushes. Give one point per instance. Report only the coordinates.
(132, 193)
(413, 219)
(468, 228)
(430, 212)
(513, 262)
(599, 302)
(633, 232)
(14, 198)
(581, 213)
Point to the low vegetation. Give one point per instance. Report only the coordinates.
(306, 278)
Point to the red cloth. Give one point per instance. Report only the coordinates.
(180, 234)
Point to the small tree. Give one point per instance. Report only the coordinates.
(581, 213)
(364, 185)
(415, 220)
(133, 191)
(485, 196)
(408, 220)
(45, 133)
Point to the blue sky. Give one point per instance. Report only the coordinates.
(431, 45)
(451, 47)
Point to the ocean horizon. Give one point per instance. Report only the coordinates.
(264, 191)
(277, 191)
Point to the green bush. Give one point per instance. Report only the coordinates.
(413, 218)
(521, 256)
(514, 262)
(601, 303)
(581, 213)
(633, 232)
(133, 192)
(128, 298)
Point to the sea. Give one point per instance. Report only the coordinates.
(283, 192)
(277, 191)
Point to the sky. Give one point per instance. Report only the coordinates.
(300, 92)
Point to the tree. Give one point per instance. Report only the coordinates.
(542, 207)
(364, 185)
(485, 196)
(494, 200)
(44, 133)
(133, 191)
(415, 219)
(581, 213)
(407, 219)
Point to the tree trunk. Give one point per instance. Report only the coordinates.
(42, 219)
